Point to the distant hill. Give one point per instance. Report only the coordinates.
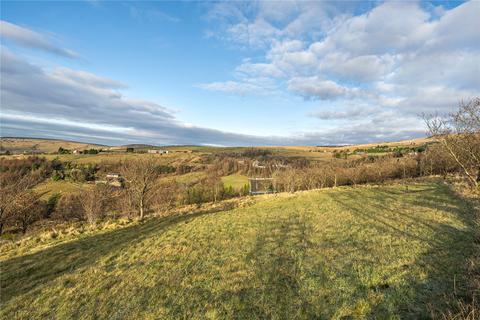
(138, 146)
(21, 145)
(411, 142)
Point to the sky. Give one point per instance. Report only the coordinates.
(234, 73)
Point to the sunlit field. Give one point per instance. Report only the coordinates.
(377, 252)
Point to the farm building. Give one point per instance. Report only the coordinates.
(257, 164)
(113, 179)
(158, 151)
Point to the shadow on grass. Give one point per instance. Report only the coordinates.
(21, 274)
(280, 262)
(448, 247)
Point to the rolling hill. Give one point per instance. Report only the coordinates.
(21, 145)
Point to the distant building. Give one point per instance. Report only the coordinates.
(113, 179)
(256, 164)
(157, 151)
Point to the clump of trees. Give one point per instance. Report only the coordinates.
(74, 172)
(62, 150)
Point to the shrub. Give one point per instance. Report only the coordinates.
(68, 208)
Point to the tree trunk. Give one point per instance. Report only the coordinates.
(141, 208)
(24, 227)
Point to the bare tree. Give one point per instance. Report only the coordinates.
(141, 176)
(94, 203)
(214, 182)
(459, 135)
(28, 208)
(16, 200)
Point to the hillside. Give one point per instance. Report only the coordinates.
(20, 145)
(376, 252)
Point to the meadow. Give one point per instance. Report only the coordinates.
(49, 187)
(236, 181)
(387, 252)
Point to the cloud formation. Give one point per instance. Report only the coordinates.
(369, 75)
(32, 39)
(78, 105)
(397, 55)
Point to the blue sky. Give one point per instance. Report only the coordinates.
(234, 73)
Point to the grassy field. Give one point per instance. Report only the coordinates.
(50, 187)
(236, 181)
(191, 177)
(367, 252)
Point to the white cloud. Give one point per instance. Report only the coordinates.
(70, 104)
(397, 55)
(88, 79)
(77, 105)
(317, 88)
(241, 88)
(348, 114)
(363, 68)
(245, 85)
(257, 24)
(32, 39)
(376, 71)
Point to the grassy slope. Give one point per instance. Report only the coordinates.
(117, 157)
(378, 251)
(50, 187)
(43, 145)
(236, 181)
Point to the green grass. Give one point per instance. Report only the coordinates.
(50, 187)
(236, 181)
(191, 177)
(367, 252)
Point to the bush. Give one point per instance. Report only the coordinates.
(68, 208)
